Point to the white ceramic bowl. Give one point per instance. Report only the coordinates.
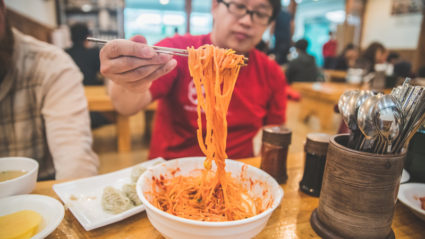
(23, 184)
(171, 226)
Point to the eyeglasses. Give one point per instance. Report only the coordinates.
(240, 10)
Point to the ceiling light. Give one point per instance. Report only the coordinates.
(149, 19)
(86, 8)
(173, 19)
(164, 2)
(336, 16)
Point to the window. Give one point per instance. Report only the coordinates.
(157, 19)
(154, 19)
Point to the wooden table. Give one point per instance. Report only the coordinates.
(320, 99)
(98, 100)
(335, 75)
(290, 220)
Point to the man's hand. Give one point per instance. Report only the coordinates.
(133, 64)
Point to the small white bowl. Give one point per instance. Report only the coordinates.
(171, 226)
(23, 184)
(409, 194)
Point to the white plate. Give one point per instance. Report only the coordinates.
(405, 176)
(409, 194)
(49, 208)
(84, 196)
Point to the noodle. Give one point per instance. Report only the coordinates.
(209, 196)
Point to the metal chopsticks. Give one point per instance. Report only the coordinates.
(159, 49)
(165, 50)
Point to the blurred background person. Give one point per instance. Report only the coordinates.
(87, 59)
(303, 68)
(398, 67)
(347, 58)
(393, 58)
(375, 53)
(43, 108)
(373, 62)
(329, 51)
(282, 35)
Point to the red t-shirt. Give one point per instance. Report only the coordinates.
(329, 48)
(259, 98)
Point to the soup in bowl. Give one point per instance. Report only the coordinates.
(258, 184)
(18, 175)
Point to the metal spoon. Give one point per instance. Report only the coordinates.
(414, 114)
(345, 107)
(351, 121)
(362, 97)
(389, 121)
(366, 123)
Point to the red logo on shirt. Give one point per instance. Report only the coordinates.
(192, 96)
(191, 93)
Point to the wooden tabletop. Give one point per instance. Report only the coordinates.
(290, 220)
(335, 74)
(98, 99)
(328, 91)
(319, 99)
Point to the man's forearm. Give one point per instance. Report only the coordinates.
(127, 102)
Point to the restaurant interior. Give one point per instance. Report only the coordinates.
(337, 33)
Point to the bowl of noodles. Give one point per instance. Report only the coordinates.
(185, 200)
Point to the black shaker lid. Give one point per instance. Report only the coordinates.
(317, 143)
(277, 135)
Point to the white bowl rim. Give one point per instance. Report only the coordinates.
(403, 198)
(24, 175)
(208, 223)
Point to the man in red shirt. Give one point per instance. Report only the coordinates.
(329, 51)
(140, 76)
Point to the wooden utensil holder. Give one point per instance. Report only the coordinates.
(359, 193)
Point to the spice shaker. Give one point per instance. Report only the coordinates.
(315, 150)
(274, 151)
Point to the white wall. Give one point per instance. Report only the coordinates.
(42, 11)
(396, 32)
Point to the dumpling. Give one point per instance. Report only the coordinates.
(130, 191)
(136, 172)
(139, 170)
(114, 201)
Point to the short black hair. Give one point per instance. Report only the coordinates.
(79, 33)
(393, 56)
(276, 6)
(301, 44)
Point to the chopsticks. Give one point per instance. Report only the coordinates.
(159, 49)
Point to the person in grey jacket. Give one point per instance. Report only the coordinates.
(303, 68)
